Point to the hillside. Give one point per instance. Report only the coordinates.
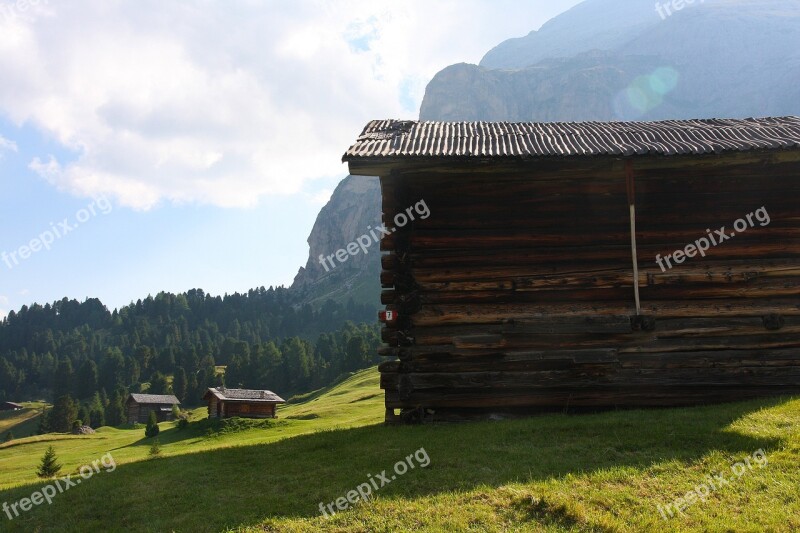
(355, 401)
(83, 351)
(600, 472)
(20, 423)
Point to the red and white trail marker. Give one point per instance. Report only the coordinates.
(387, 316)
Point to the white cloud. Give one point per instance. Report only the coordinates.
(6, 145)
(222, 103)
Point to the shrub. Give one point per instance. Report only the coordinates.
(155, 449)
(183, 423)
(152, 426)
(223, 426)
(44, 422)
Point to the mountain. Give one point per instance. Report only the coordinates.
(622, 60)
(354, 208)
(591, 25)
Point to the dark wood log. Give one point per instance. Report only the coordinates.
(636, 342)
(601, 288)
(566, 359)
(532, 278)
(561, 397)
(499, 239)
(497, 314)
(591, 375)
(572, 257)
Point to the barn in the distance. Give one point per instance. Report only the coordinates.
(11, 406)
(138, 407)
(586, 264)
(245, 403)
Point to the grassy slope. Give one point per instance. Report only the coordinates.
(21, 423)
(603, 472)
(344, 405)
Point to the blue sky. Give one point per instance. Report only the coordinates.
(197, 141)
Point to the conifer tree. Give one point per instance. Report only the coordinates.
(152, 426)
(179, 384)
(44, 422)
(63, 414)
(115, 411)
(49, 466)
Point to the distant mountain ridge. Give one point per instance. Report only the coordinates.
(574, 32)
(715, 59)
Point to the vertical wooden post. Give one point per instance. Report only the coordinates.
(632, 211)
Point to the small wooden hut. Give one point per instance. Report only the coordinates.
(10, 406)
(586, 264)
(138, 407)
(245, 403)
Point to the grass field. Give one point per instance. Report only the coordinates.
(600, 472)
(21, 423)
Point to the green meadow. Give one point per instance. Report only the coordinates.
(558, 472)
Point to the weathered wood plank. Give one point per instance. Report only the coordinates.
(631, 395)
(566, 359)
(592, 375)
(439, 315)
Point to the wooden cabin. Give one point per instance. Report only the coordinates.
(138, 407)
(245, 403)
(10, 406)
(586, 265)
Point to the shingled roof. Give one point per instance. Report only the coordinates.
(248, 395)
(384, 139)
(155, 398)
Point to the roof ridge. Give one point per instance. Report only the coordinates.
(383, 139)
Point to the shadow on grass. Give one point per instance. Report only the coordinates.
(555, 515)
(289, 478)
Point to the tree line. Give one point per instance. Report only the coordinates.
(86, 360)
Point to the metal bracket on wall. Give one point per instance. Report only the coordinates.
(773, 322)
(643, 323)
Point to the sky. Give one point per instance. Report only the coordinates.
(151, 146)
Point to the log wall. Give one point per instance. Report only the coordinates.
(248, 410)
(140, 412)
(517, 292)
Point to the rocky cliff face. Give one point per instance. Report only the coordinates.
(591, 25)
(622, 60)
(354, 206)
(565, 89)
